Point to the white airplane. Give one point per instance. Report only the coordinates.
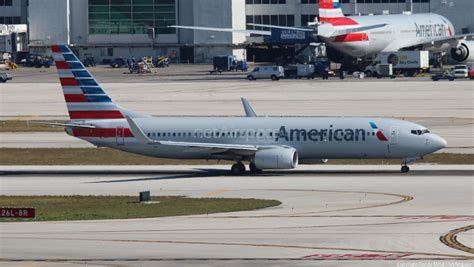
(367, 36)
(265, 142)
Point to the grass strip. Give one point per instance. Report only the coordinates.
(28, 126)
(61, 208)
(107, 156)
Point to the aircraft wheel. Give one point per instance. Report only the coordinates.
(405, 169)
(253, 168)
(238, 169)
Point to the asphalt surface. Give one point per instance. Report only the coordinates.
(445, 107)
(330, 216)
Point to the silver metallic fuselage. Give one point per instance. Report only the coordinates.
(312, 137)
(401, 31)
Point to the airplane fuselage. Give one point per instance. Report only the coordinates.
(400, 31)
(312, 137)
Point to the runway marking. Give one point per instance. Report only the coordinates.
(260, 245)
(450, 239)
(216, 193)
(438, 217)
(390, 256)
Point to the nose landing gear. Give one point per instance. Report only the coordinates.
(405, 168)
(407, 161)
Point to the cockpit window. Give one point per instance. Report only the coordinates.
(420, 132)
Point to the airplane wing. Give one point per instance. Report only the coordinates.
(211, 147)
(248, 109)
(222, 30)
(442, 40)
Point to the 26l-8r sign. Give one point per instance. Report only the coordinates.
(17, 212)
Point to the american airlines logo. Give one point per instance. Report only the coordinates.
(431, 30)
(291, 134)
(315, 135)
(292, 35)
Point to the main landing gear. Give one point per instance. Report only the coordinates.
(239, 169)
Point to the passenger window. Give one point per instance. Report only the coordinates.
(158, 134)
(148, 134)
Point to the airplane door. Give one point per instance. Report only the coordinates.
(393, 140)
(394, 135)
(119, 135)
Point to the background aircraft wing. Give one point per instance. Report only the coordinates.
(221, 29)
(447, 39)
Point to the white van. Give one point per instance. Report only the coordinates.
(266, 72)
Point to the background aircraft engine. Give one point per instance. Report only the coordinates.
(463, 53)
(276, 158)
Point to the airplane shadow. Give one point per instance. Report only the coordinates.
(220, 173)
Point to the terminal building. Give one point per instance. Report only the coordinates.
(107, 29)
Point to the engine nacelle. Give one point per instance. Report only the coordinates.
(276, 158)
(463, 53)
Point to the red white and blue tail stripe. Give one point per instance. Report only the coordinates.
(84, 97)
(330, 11)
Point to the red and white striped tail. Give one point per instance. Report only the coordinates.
(84, 97)
(330, 11)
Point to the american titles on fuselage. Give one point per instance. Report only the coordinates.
(431, 30)
(273, 135)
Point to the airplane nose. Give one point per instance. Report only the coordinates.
(438, 142)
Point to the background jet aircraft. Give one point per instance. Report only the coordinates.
(264, 142)
(367, 36)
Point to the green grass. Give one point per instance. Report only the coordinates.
(28, 126)
(61, 208)
(106, 156)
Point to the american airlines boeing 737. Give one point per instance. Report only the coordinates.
(267, 143)
(367, 36)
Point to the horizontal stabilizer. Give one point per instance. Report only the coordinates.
(281, 27)
(327, 30)
(71, 125)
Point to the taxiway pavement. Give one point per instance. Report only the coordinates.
(330, 215)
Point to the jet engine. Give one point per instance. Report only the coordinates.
(464, 52)
(276, 158)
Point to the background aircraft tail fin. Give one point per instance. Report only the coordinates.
(330, 11)
(84, 97)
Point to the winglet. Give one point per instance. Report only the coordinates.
(248, 109)
(138, 133)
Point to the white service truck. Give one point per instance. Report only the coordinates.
(407, 63)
